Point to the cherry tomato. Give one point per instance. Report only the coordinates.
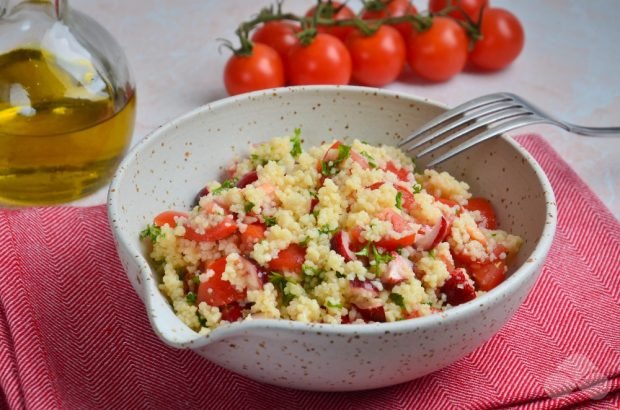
(488, 275)
(220, 231)
(231, 312)
(377, 59)
(502, 40)
(324, 61)
(394, 8)
(279, 35)
(216, 291)
(401, 173)
(253, 234)
(257, 71)
(289, 259)
(485, 208)
(338, 11)
(440, 52)
(168, 217)
(469, 8)
(400, 224)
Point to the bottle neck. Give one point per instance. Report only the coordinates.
(58, 7)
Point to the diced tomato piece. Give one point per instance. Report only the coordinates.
(216, 291)
(356, 240)
(231, 312)
(401, 173)
(458, 288)
(397, 270)
(485, 208)
(400, 224)
(203, 192)
(247, 179)
(488, 275)
(253, 234)
(220, 231)
(169, 217)
(289, 259)
(448, 202)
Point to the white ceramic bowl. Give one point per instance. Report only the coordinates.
(167, 168)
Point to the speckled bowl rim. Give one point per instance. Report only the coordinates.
(516, 279)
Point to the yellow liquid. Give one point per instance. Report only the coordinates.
(59, 140)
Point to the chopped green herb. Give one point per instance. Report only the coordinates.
(153, 232)
(494, 235)
(371, 161)
(202, 320)
(364, 251)
(314, 194)
(305, 241)
(258, 160)
(431, 253)
(229, 183)
(269, 220)
(417, 188)
(329, 167)
(248, 206)
(340, 275)
(279, 282)
(315, 213)
(380, 257)
(399, 200)
(325, 229)
(398, 299)
(191, 298)
(310, 271)
(429, 303)
(296, 150)
(334, 305)
(196, 280)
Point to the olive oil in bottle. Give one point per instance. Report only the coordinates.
(63, 128)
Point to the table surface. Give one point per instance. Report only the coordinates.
(569, 67)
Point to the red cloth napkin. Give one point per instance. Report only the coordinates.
(73, 334)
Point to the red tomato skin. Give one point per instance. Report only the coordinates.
(488, 275)
(168, 217)
(279, 35)
(469, 8)
(324, 61)
(344, 12)
(216, 291)
(262, 69)
(223, 230)
(440, 52)
(377, 59)
(485, 208)
(253, 234)
(290, 259)
(394, 8)
(502, 40)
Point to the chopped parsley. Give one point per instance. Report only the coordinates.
(305, 241)
(296, 150)
(310, 271)
(329, 167)
(269, 220)
(325, 229)
(314, 194)
(191, 298)
(417, 188)
(279, 282)
(334, 305)
(371, 161)
(248, 206)
(153, 232)
(340, 275)
(196, 280)
(380, 257)
(398, 299)
(399, 200)
(364, 251)
(258, 160)
(431, 253)
(202, 320)
(229, 183)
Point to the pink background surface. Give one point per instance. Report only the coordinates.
(569, 67)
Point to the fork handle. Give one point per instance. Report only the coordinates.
(593, 131)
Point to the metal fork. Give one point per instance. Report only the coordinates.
(487, 116)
